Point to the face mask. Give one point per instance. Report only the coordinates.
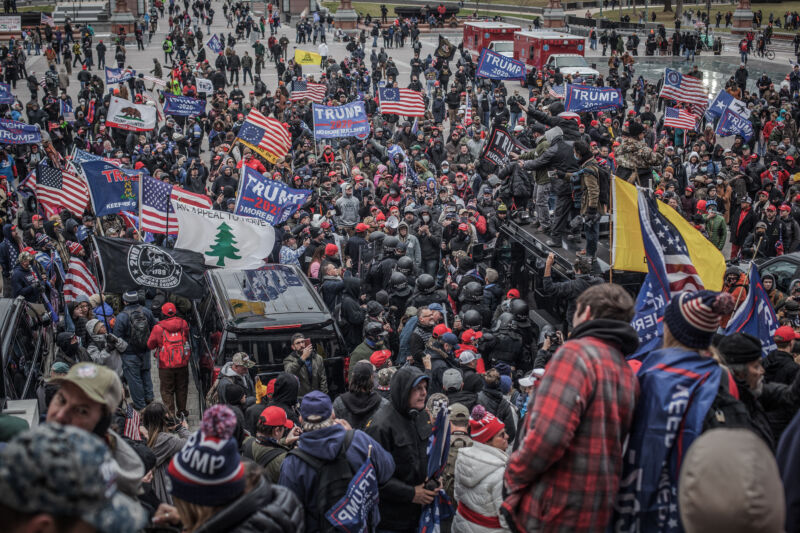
(426, 218)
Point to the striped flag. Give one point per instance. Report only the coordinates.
(467, 111)
(132, 422)
(683, 88)
(79, 281)
(303, 89)
(267, 136)
(56, 189)
(556, 91)
(394, 101)
(48, 20)
(157, 215)
(678, 118)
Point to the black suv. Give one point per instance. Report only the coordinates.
(26, 344)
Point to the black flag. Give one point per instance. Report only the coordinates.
(130, 265)
(445, 50)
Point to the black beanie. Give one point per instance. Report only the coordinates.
(740, 348)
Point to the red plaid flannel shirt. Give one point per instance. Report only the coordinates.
(565, 474)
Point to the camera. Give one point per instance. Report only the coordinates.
(555, 340)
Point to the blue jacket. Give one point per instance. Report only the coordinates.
(122, 326)
(22, 284)
(9, 250)
(325, 444)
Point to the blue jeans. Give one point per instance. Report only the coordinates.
(430, 266)
(592, 232)
(136, 370)
(374, 42)
(514, 119)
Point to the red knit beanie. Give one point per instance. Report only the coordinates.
(483, 425)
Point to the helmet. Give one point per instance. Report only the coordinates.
(472, 319)
(502, 321)
(398, 281)
(425, 283)
(373, 331)
(473, 291)
(519, 308)
(377, 236)
(405, 265)
(390, 243)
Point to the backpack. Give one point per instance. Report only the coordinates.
(337, 314)
(173, 352)
(266, 458)
(333, 478)
(212, 396)
(139, 329)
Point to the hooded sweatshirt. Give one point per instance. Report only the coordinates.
(358, 408)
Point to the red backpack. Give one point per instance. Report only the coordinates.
(173, 352)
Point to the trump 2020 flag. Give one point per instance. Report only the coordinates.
(438, 448)
(112, 189)
(756, 315)
(214, 44)
(732, 123)
(267, 199)
(118, 75)
(183, 106)
(331, 122)
(225, 240)
(13, 132)
(352, 513)
(6, 97)
(499, 67)
(586, 98)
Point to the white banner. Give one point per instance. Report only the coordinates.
(225, 240)
(10, 24)
(204, 85)
(126, 115)
(157, 81)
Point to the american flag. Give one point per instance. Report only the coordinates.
(556, 91)
(48, 20)
(157, 213)
(683, 88)
(302, 89)
(132, 423)
(394, 101)
(60, 188)
(265, 134)
(80, 281)
(678, 118)
(467, 111)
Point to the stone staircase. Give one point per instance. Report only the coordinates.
(192, 399)
(81, 12)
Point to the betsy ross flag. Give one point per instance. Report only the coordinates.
(79, 281)
(394, 101)
(682, 88)
(157, 215)
(302, 89)
(556, 91)
(267, 136)
(56, 189)
(678, 118)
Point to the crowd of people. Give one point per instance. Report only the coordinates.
(403, 237)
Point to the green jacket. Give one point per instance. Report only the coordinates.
(540, 176)
(255, 450)
(717, 230)
(294, 364)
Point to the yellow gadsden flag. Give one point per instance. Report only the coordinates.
(303, 57)
(627, 252)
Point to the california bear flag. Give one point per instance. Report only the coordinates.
(126, 115)
(225, 240)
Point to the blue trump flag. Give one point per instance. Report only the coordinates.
(13, 132)
(438, 448)
(118, 75)
(183, 106)
(677, 387)
(5, 94)
(756, 315)
(267, 199)
(648, 314)
(499, 67)
(67, 111)
(111, 188)
(214, 44)
(586, 98)
(349, 120)
(732, 123)
(724, 101)
(352, 513)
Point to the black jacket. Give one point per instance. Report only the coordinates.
(352, 313)
(493, 401)
(358, 409)
(568, 126)
(403, 433)
(569, 290)
(266, 508)
(558, 156)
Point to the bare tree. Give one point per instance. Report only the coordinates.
(667, 6)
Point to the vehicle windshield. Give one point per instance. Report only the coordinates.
(577, 61)
(503, 46)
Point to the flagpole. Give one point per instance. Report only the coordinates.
(611, 231)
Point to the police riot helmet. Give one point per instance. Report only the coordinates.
(398, 281)
(519, 308)
(373, 331)
(473, 291)
(405, 265)
(390, 243)
(425, 283)
(472, 319)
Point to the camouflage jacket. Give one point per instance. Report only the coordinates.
(633, 154)
(540, 176)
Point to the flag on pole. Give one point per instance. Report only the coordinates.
(467, 111)
(132, 422)
(396, 101)
(302, 89)
(157, 215)
(56, 189)
(756, 315)
(214, 44)
(304, 57)
(79, 281)
(438, 450)
(678, 118)
(267, 136)
(683, 88)
(557, 91)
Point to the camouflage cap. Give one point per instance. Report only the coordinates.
(65, 471)
(99, 383)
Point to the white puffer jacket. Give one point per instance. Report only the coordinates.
(479, 485)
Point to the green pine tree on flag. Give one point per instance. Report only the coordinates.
(225, 245)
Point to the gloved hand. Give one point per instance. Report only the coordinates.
(591, 216)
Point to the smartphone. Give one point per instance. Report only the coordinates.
(307, 343)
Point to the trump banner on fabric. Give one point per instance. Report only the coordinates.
(352, 512)
(267, 199)
(225, 240)
(204, 85)
(13, 132)
(214, 44)
(724, 100)
(128, 265)
(111, 188)
(126, 115)
(500, 144)
(349, 120)
(183, 106)
(732, 123)
(6, 97)
(499, 67)
(756, 315)
(586, 98)
(118, 75)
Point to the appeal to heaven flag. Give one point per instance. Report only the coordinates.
(225, 240)
(627, 251)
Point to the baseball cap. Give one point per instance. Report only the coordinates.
(450, 338)
(452, 379)
(785, 334)
(36, 217)
(99, 383)
(530, 378)
(459, 414)
(468, 356)
(242, 359)
(440, 330)
(65, 471)
(275, 416)
(362, 227)
(316, 405)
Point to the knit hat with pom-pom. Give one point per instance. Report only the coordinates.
(208, 470)
(483, 425)
(693, 317)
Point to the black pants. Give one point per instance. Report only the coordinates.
(562, 215)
